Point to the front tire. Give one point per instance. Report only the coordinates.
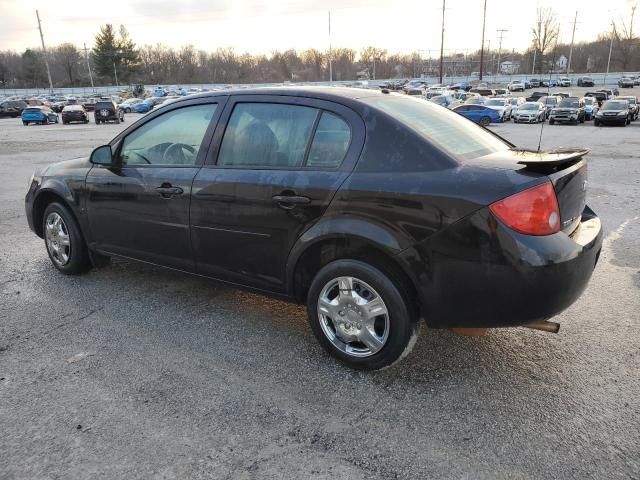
(359, 315)
(64, 241)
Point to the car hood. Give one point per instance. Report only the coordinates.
(612, 111)
(67, 166)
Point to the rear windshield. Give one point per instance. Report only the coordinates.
(32, 110)
(447, 130)
(100, 105)
(568, 102)
(589, 100)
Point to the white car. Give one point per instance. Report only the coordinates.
(564, 82)
(516, 86)
(500, 105)
(516, 102)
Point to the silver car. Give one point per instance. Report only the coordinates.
(530, 112)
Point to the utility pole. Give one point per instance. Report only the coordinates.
(484, 20)
(501, 32)
(330, 55)
(86, 56)
(573, 34)
(613, 31)
(442, 42)
(533, 68)
(44, 50)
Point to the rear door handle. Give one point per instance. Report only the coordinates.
(290, 201)
(166, 190)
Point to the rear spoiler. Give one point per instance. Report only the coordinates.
(552, 159)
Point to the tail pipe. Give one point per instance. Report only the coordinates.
(544, 325)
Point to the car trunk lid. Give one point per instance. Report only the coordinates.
(565, 168)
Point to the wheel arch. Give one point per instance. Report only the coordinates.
(309, 257)
(45, 197)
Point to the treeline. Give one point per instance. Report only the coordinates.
(115, 55)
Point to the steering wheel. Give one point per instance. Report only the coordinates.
(177, 147)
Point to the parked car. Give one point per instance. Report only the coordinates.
(549, 103)
(479, 113)
(613, 112)
(89, 104)
(569, 110)
(564, 82)
(534, 83)
(535, 96)
(585, 82)
(464, 96)
(74, 113)
(415, 87)
(611, 92)
(563, 94)
(447, 101)
(530, 112)
(516, 102)
(41, 115)
(484, 92)
(516, 86)
(340, 223)
(475, 100)
(549, 82)
(501, 92)
(633, 105)
(128, 103)
(591, 107)
(600, 96)
(12, 108)
(502, 106)
(108, 111)
(626, 82)
(527, 84)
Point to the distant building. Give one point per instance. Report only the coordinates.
(509, 68)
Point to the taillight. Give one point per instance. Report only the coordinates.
(533, 211)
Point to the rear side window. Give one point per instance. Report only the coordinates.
(330, 142)
(267, 135)
(452, 133)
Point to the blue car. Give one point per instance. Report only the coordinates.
(142, 107)
(40, 115)
(479, 114)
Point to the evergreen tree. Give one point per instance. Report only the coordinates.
(114, 55)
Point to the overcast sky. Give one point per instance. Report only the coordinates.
(260, 26)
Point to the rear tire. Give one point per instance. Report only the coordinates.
(26, 124)
(392, 328)
(64, 241)
(484, 121)
(552, 121)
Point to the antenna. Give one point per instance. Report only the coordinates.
(44, 50)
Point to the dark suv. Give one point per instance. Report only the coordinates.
(359, 204)
(108, 111)
(569, 110)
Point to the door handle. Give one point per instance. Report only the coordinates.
(166, 190)
(290, 201)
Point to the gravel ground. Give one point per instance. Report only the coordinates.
(137, 372)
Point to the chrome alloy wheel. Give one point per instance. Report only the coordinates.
(57, 239)
(353, 316)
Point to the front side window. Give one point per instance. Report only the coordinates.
(267, 135)
(170, 139)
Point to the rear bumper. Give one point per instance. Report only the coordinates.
(479, 273)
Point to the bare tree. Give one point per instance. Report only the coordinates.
(625, 39)
(68, 59)
(545, 31)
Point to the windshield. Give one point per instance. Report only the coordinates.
(615, 105)
(514, 101)
(551, 101)
(495, 102)
(449, 131)
(571, 103)
(529, 106)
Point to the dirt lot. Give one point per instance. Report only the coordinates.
(137, 372)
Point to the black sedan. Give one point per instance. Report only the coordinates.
(74, 113)
(613, 112)
(374, 210)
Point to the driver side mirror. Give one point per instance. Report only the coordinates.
(102, 156)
